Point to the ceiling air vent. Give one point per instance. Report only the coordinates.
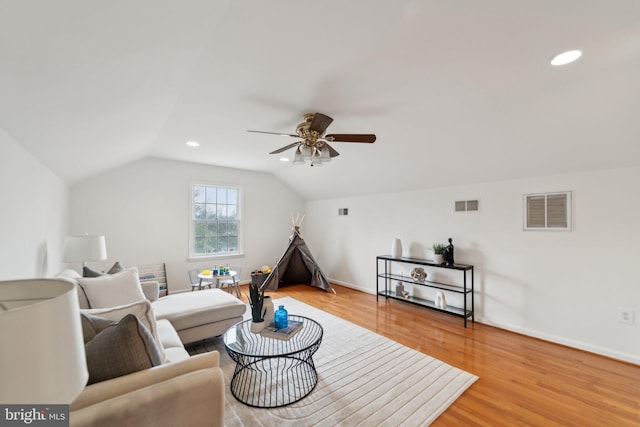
(467, 205)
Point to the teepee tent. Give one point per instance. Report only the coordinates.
(296, 265)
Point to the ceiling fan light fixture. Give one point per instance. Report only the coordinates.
(298, 159)
(325, 156)
(306, 152)
(315, 159)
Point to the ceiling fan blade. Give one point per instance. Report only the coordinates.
(274, 133)
(332, 152)
(320, 123)
(285, 148)
(351, 137)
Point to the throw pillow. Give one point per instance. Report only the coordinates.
(90, 272)
(121, 349)
(117, 268)
(92, 325)
(141, 309)
(113, 289)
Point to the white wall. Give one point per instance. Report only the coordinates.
(143, 210)
(561, 286)
(33, 214)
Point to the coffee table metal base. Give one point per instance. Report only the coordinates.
(273, 381)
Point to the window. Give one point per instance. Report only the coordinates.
(215, 221)
(550, 211)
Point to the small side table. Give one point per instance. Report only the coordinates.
(271, 373)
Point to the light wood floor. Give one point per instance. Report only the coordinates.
(523, 381)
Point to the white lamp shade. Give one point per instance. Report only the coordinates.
(84, 248)
(42, 357)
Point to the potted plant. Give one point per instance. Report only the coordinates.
(438, 249)
(256, 300)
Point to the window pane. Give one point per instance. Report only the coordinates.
(232, 196)
(232, 228)
(211, 211)
(200, 245)
(211, 195)
(199, 228)
(232, 212)
(199, 211)
(222, 244)
(198, 194)
(222, 228)
(233, 244)
(222, 195)
(222, 211)
(212, 229)
(212, 244)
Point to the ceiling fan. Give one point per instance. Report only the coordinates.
(314, 144)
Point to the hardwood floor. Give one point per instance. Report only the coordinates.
(523, 381)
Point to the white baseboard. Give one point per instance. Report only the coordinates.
(630, 358)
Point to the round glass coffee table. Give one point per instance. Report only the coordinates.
(271, 372)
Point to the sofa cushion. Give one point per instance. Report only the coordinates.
(141, 309)
(113, 289)
(120, 349)
(190, 309)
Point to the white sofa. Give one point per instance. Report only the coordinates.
(184, 390)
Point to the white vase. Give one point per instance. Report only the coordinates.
(268, 306)
(256, 327)
(396, 248)
(438, 258)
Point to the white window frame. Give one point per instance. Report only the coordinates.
(192, 254)
(568, 211)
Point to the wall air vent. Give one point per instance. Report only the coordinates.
(343, 211)
(547, 211)
(467, 206)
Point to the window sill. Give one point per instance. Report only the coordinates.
(199, 258)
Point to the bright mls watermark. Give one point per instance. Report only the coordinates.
(34, 415)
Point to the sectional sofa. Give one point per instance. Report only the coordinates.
(181, 390)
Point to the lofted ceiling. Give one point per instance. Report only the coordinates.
(456, 91)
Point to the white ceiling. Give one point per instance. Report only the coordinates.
(456, 91)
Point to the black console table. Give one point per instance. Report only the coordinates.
(387, 288)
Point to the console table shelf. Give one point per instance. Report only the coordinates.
(387, 290)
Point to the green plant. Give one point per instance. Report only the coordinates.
(256, 300)
(438, 248)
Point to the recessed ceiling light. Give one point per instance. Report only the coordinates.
(566, 57)
(284, 159)
(192, 144)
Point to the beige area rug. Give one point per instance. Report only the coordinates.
(364, 379)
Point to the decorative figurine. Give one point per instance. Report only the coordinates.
(399, 289)
(418, 274)
(448, 253)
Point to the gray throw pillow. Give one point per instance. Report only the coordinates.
(92, 325)
(121, 349)
(117, 268)
(90, 272)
